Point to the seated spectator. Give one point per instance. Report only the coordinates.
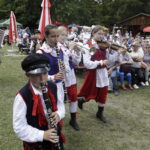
(86, 34)
(35, 42)
(20, 42)
(28, 31)
(137, 55)
(25, 36)
(125, 69)
(19, 31)
(114, 61)
(23, 42)
(146, 60)
(116, 40)
(73, 34)
(126, 34)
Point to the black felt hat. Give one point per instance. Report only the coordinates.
(35, 64)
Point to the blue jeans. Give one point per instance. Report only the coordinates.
(113, 76)
(125, 75)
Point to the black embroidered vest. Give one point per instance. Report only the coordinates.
(33, 120)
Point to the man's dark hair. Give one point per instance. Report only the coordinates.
(48, 28)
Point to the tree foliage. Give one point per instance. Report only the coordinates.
(82, 12)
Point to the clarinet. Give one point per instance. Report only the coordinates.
(48, 104)
(61, 70)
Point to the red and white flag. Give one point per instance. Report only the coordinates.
(45, 17)
(13, 34)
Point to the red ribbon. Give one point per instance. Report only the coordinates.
(38, 109)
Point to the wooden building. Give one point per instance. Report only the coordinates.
(136, 23)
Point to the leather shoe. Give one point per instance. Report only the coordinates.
(74, 124)
(80, 103)
(101, 118)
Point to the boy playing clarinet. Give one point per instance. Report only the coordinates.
(30, 116)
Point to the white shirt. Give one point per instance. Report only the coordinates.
(25, 35)
(138, 53)
(85, 36)
(70, 78)
(60, 91)
(72, 36)
(23, 130)
(47, 49)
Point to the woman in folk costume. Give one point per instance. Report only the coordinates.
(70, 78)
(96, 82)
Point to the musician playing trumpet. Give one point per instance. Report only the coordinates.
(30, 116)
(96, 82)
(74, 58)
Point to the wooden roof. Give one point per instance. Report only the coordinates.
(139, 19)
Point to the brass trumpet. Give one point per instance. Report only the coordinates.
(76, 46)
(83, 48)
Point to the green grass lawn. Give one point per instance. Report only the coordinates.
(128, 115)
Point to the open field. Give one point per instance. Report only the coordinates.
(128, 116)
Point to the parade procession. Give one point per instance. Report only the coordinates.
(75, 75)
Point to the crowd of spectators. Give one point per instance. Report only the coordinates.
(128, 67)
